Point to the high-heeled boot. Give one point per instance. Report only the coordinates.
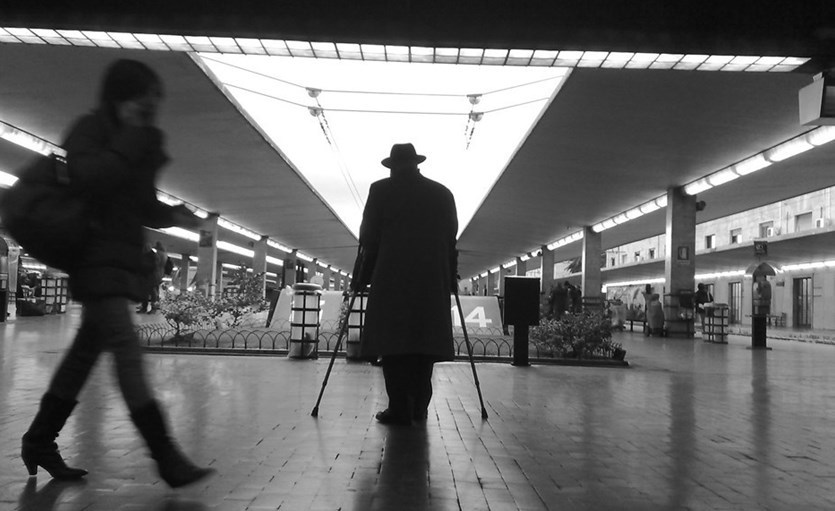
(173, 466)
(38, 446)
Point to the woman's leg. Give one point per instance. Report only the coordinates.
(120, 338)
(115, 327)
(39, 448)
(72, 373)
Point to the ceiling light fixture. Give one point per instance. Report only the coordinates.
(392, 53)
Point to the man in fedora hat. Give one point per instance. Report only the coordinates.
(408, 257)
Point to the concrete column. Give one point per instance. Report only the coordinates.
(521, 267)
(592, 280)
(547, 267)
(290, 269)
(327, 273)
(491, 282)
(207, 257)
(220, 284)
(680, 260)
(182, 282)
(259, 262)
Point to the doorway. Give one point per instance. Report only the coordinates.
(802, 302)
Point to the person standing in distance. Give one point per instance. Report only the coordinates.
(408, 257)
(114, 155)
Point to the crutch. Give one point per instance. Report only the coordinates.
(470, 353)
(342, 332)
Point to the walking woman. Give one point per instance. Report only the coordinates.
(113, 155)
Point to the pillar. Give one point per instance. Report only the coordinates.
(592, 280)
(220, 286)
(491, 282)
(205, 280)
(259, 262)
(290, 269)
(182, 275)
(327, 273)
(680, 260)
(521, 267)
(547, 267)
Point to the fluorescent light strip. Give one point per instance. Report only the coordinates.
(179, 232)
(781, 152)
(229, 247)
(809, 266)
(230, 226)
(6, 179)
(374, 52)
(275, 261)
(304, 257)
(719, 275)
(28, 141)
(279, 246)
(660, 280)
(631, 214)
(565, 241)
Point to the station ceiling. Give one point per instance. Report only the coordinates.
(610, 140)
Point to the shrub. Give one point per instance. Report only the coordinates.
(241, 298)
(185, 311)
(581, 335)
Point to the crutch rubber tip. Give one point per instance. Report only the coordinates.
(315, 412)
(484, 414)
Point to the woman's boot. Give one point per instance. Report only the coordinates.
(39, 448)
(173, 467)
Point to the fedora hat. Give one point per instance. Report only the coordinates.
(402, 153)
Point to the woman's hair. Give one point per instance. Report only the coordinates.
(126, 79)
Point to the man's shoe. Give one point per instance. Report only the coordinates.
(390, 418)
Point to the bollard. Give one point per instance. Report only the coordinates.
(304, 323)
(356, 322)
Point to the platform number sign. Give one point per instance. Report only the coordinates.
(477, 316)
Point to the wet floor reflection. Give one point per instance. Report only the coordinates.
(761, 421)
(49, 496)
(682, 440)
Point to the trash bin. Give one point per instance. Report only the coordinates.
(716, 323)
(304, 322)
(356, 322)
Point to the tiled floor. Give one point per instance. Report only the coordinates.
(688, 426)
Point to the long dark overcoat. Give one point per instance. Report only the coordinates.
(116, 167)
(408, 236)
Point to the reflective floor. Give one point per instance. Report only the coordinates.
(688, 425)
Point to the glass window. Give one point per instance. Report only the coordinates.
(710, 241)
(766, 229)
(803, 222)
(637, 256)
(736, 236)
(652, 253)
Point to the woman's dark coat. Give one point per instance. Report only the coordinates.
(407, 243)
(115, 169)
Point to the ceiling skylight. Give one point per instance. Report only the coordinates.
(334, 120)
